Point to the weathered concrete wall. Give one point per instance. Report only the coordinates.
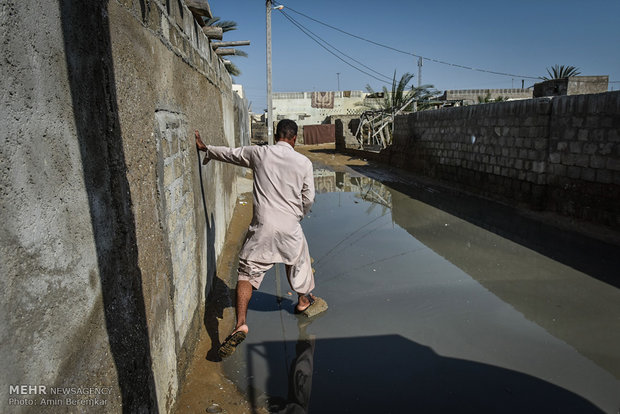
(242, 122)
(298, 106)
(560, 154)
(470, 96)
(259, 132)
(110, 227)
(346, 127)
(575, 85)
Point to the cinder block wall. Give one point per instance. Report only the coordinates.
(346, 127)
(110, 227)
(583, 167)
(560, 154)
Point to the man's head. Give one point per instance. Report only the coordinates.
(286, 131)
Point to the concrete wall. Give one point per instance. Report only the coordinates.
(575, 85)
(559, 154)
(110, 228)
(346, 127)
(470, 96)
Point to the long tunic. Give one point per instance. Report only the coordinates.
(283, 193)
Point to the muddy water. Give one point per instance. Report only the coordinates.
(428, 313)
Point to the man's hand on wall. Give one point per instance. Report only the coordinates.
(201, 146)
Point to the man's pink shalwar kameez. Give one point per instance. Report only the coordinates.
(283, 193)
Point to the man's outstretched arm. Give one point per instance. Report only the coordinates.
(238, 156)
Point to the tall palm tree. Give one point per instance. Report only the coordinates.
(561, 72)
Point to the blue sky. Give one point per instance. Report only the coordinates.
(517, 37)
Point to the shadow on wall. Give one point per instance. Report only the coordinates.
(392, 374)
(93, 92)
(217, 293)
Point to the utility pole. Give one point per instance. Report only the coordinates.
(270, 140)
(338, 74)
(269, 101)
(419, 71)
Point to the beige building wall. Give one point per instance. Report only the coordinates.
(298, 106)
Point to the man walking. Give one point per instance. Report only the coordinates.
(283, 193)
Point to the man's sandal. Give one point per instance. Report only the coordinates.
(317, 305)
(230, 344)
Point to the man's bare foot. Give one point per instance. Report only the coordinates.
(242, 328)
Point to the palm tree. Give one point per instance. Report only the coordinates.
(231, 68)
(377, 124)
(394, 100)
(561, 72)
(487, 98)
(227, 26)
(424, 94)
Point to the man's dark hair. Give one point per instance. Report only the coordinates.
(286, 129)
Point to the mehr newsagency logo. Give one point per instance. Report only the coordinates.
(44, 396)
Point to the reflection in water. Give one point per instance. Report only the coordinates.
(300, 376)
(428, 313)
(562, 300)
(367, 189)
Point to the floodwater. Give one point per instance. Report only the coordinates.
(428, 313)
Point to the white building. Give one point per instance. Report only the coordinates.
(312, 108)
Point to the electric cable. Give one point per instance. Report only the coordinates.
(324, 47)
(404, 51)
(334, 47)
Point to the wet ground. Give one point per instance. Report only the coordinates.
(439, 302)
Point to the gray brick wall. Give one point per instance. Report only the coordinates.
(560, 154)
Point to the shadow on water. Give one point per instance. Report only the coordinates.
(391, 374)
(93, 91)
(594, 257)
(266, 302)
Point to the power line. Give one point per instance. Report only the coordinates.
(409, 53)
(334, 47)
(311, 36)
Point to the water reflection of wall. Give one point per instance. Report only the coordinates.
(326, 181)
(547, 292)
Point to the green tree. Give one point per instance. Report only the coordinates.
(561, 72)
